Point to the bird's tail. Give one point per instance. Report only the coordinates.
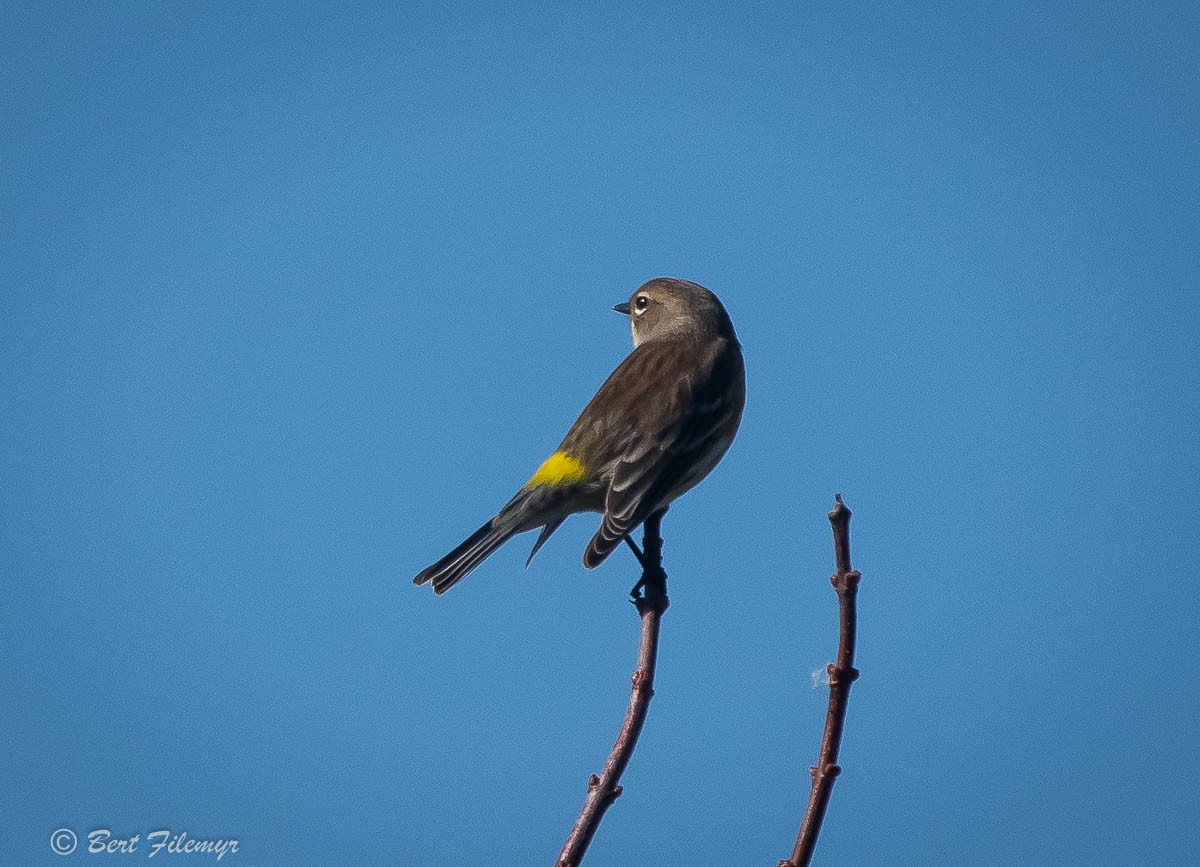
(456, 565)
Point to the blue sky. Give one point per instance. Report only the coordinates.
(296, 295)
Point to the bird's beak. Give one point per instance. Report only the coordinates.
(623, 307)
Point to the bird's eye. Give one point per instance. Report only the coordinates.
(641, 303)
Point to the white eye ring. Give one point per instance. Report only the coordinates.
(640, 304)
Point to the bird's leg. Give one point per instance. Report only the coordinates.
(653, 583)
(637, 552)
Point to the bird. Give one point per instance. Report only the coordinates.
(658, 425)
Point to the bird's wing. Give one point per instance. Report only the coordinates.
(671, 448)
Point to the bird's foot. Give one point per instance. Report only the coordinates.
(652, 585)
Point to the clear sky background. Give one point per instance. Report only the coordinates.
(296, 295)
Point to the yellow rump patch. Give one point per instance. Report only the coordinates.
(558, 469)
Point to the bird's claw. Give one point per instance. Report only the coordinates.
(652, 582)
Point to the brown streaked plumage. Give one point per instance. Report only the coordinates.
(657, 426)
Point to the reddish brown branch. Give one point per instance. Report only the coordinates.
(841, 674)
(603, 790)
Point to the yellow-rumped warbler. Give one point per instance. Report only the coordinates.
(661, 421)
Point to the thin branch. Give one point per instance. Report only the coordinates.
(841, 674)
(604, 789)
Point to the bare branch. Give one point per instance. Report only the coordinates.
(651, 603)
(841, 674)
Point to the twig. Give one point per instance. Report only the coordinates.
(604, 789)
(841, 674)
